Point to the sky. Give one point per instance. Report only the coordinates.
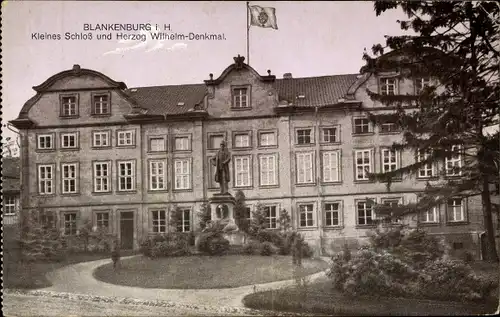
(313, 39)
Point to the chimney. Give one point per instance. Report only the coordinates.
(287, 75)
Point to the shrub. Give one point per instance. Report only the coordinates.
(171, 244)
(266, 249)
(39, 243)
(251, 248)
(213, 243)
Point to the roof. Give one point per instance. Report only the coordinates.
(317, 91)
(11, 174)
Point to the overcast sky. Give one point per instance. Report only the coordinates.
(313, 39)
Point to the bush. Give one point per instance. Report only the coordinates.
(171, 244)
(266, 249)
(251, 248)
(213, 243)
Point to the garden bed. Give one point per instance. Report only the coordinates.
(205, 272)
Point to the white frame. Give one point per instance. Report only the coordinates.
(102, 180)
(306, 167)
(163, 147)
(399, 201)
(269, 219)
(391, 163)
(238, 174)
(311, 136)
(242, 134)
(422, 155)
(46, 182)
(69, 134)
(183, 220)
(186, 143)
(272, 170)
(50, 136)
(333, 171)
(129, 173)
(420, 83)
(73, 223)
(106, 138)
(238, 98)
(161, 178)
(70, 179)
(455, 160)
(372, 213)
(70, 105)
(7, 205)
(363, 165)
(160, 212)
(123, 135)
(361, 125)
(186, 183)
(434, 211)
(384, 84)
(336, 135)
(451, 210)
(100, 221)
(311, 212)
(103, 102)
(339, 213)
(267, 133)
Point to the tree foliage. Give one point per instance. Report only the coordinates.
(456, 45)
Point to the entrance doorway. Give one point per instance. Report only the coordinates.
(127, 230)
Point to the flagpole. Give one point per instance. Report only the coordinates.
(248, 36)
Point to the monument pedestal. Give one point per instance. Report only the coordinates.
(222, 210)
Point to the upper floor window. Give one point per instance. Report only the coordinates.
(455, 210)
(69, 178)
(100, 139)
(304, 136)
(241, 140)
(101, 104)
(157, 171)
(361, 125)
(330, 135)
(69, 140)
(182, 170)
(268, 172)
(389, 127)
(421, 83)
(331, 166)
(242, 171)
(69, 106)
(45, 141)
(126, 175)
(305, 171)
(215, 140)
(390, 160)
(363, 163)
(427, 170)
(102, 177)
(453, 162)
(157, 144)
(9, 205)
(126, 138)
(388, 86)
(240, 98)
(267, 138)
(430, 216)
(45, 179)
(181, 143)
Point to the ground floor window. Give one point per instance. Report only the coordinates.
(271, 216)
(69, 223)
(306, 215)
(159, 220)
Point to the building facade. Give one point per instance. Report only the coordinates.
(94, 149)
(10, 190)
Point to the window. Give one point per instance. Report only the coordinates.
(102, 220)
(267, 139)
(157, 144)
(101, 105)
(268, 172)
(102, 175)
(69, 223)
(69, 178)
(159, 222)
(304, 136)
(69, 106)
(215, 141)
(126, 138)
(9, 205)
(182, 143)
(430, 216)
(69, 140)
(365, 213)
(45, 179)
(306, 215)
(47, 219)
(247, 214)
(390, 160)
(361, 125)
(455, 210)
(157, 175)
(184, 224)
(332, 214)
(305, 168)
(126, 175)
(242, 171)
(330, 135)
(271, 217)
(426, 170)
(363, 159)
(331, 166)
(453, 162)
(100, 139)
(420, 84)
(240, 98)
(388, 86)
(393, 203)
(241, 140)
(211, 174)
(45, 142)
(389, 127)
(182, 174)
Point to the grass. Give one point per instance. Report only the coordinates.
(23, 275)
(321, 298)
(204, 272)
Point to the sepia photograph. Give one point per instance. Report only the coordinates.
(250, 158)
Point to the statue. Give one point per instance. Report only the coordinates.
(221, 162)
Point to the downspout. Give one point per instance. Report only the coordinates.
(319, 212)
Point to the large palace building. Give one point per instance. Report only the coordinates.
(93, 149)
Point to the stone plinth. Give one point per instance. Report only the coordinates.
(222, 210)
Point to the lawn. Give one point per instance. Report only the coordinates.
(321, 298)
(22, 275)
(204, 272)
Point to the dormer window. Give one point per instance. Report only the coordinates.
(241, 98)
(69, 106)
(421, 83)
(101, 104)
(388, 86)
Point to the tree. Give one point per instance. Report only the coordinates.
(456, 44)
(240, 212)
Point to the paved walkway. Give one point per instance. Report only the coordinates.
(78, 278)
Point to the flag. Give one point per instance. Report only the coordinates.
(263, 17)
